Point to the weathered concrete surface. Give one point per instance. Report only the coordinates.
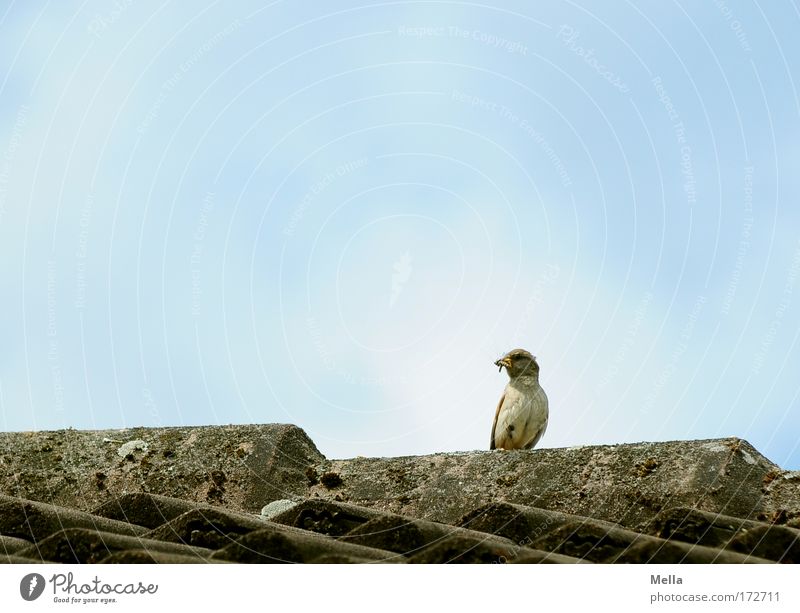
(698, 527)
(203, 487)
(34, 521)
(521, 524)
(628, 484)
(148, 510)
(213, 528)
(782, 497)
(275, 543)
(240, 467)
(596, 542)
(84, 546)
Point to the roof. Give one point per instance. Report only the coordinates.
(264, 493)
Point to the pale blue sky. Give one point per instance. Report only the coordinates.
(340, 214)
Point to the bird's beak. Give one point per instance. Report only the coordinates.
(503, 362)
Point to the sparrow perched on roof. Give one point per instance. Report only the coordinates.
(521, 416)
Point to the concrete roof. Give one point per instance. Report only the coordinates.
(196, 495)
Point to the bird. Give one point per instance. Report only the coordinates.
(522, 413)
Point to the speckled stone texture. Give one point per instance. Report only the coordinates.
(241, 467)
(264, 494)
(626, 484)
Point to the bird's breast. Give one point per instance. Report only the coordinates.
(523, 416)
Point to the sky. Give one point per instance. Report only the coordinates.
(339, 215)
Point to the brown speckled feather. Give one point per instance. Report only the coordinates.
(494, 424)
